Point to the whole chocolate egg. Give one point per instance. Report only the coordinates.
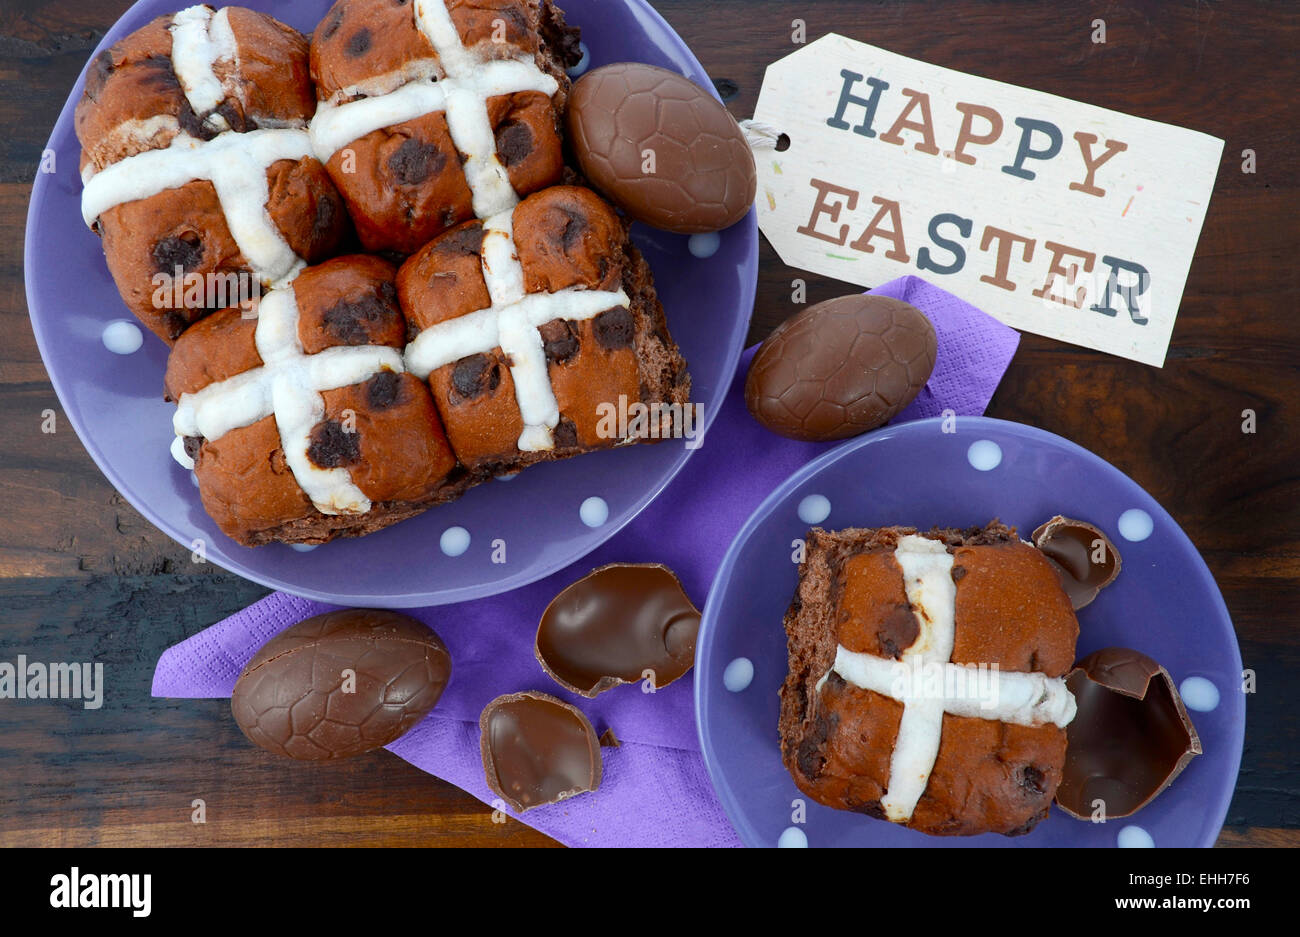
(339, 684)
(840, 368)
(661, 148)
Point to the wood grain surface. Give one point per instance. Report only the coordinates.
(84, 577)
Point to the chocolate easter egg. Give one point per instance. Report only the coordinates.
(339, 684)
(840, 368)
(661, 148)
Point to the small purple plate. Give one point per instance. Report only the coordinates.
(1164, 603)
(537, 520)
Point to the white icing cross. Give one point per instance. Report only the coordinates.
(461, 93)
(511, 323)
(1029, 699)
(288, 386)
(235, 163)
(201, 39)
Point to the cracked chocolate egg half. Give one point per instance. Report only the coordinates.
(538, 750)
(1082, 555)
(619, 624)
(1130, 738)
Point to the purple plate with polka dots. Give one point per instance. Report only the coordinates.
(1164, 603)
(500, 535)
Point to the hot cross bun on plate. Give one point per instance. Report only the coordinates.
(301, 421)
(198, 168)
(536, 328)
(926, 678)
(432, 113)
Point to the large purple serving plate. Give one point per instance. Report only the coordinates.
(114, 401)
(1164, 603)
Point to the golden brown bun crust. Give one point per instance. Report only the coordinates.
(148, 239)
(1012, 610)
(274, 75)
(215, 349)
(403, 454)
(348, 301)
(246, 484)
(128, 82)
(569, 237)
(403, 184)
(134, 81)
(358, 40)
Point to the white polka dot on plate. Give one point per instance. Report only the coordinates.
(814, 509)
(454, 541)
(594, 511)
(1134, 837)
(792, 838)
(738, 675)
(122, 337)
(705, 245)
(583, 63)
(507, 478)
(1135, 525)
(1199, 694)
(984, 455)
(303, 547)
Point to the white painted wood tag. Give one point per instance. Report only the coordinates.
(1053, 216)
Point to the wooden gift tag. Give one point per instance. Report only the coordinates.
(1056, 217)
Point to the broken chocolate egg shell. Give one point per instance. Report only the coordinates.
(1082, 555)
(616, 625)
(1130, 738)
(537, 750)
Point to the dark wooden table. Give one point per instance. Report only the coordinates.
(84, 577)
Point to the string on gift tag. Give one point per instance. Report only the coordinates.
(763, 136)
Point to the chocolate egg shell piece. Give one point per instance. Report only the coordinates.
(662, 148)
(296, 699)
(616, 623)
(537, 750)
(840, 368)
(1082, 554)
(1130, 738)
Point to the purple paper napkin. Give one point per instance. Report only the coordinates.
(655, 791)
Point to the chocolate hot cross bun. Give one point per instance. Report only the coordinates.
(198, 169)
